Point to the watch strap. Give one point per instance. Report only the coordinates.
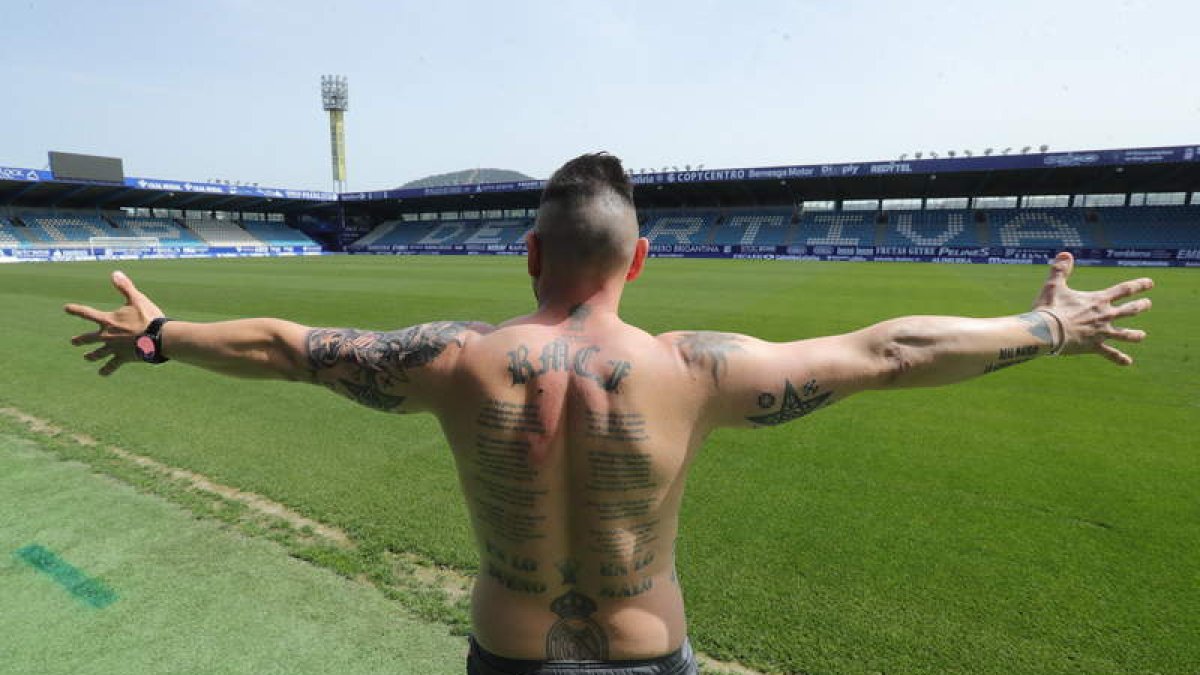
(153, 352)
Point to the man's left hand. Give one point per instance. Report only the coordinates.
(117, 329)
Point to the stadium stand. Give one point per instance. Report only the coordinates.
(931, 228)
(681, 227)
(1151, 226)
(42, 229)
(755, 228)
(277, 234)
(64, 230)
(8, 236)
(221, 232)
(382, 231)
(469, 232)
(169, 233)
(1144, 227)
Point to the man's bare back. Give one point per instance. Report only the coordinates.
(571, 440)
(572, 431)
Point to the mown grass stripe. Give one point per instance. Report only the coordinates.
(92, 591)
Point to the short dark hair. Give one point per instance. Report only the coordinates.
(587, 219)
(588, 176)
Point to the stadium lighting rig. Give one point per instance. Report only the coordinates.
(335, 99)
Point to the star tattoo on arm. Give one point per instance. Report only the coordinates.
(795, 404)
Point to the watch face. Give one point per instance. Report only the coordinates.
(145, 348)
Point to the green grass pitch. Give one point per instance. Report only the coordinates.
(1041, 519)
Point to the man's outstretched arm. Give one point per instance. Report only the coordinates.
(396, 371)
(763, 384)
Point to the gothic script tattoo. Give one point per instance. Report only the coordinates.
(1011, 356)
(505, 497)
(366, 366)
(557, 356)
(574, 635)
(708, 348)
(794, 405)
(616, 426)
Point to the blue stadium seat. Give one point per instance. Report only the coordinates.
(64, 229)
(168, 232)
(837, 228)
(445, 232)
(931, 228)
(753, 227)
(9, 237)
(277, 234)
(221, 232)
(1151, 226)
(679, 228)
(1145, 227)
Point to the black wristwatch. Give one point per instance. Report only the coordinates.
(149, 344)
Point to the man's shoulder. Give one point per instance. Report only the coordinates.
(440, 333)
(706, 339)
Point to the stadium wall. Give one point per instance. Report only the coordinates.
(992, 255)
(17, 255)
(1126, 236)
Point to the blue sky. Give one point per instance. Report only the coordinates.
(230, 88)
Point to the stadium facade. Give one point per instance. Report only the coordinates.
(1137, 206)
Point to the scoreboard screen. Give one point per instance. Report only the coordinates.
(70, 166)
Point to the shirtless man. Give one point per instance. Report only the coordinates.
(572, 431)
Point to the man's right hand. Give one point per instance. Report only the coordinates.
(117, 329)
(1087, 316)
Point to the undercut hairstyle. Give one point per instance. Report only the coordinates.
(586, 217)
(586, 177)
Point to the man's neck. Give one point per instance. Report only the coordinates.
(561, 300)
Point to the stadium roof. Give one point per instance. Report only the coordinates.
(1164, 169)
(34, 187)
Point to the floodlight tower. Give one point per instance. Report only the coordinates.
(335, 98)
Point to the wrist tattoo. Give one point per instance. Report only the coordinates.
(1037, 326)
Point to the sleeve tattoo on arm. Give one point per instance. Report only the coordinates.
(370, 364)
